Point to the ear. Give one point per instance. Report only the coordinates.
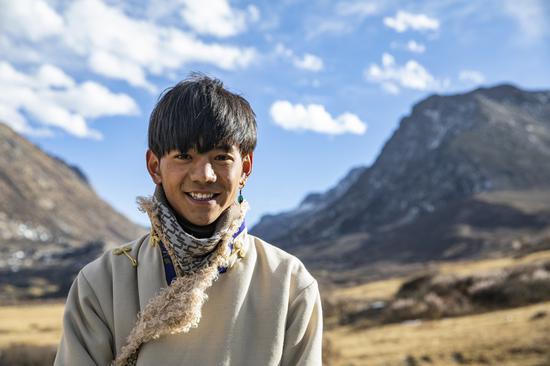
(153, 166)
(247, 167)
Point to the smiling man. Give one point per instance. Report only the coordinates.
(198, 289)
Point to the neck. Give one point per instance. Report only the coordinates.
(197, 231)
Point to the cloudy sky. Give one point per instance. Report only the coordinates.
(328, 80)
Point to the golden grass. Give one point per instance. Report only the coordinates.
(36, 324)
(385, 289)
(472, 267)
(377, 290)
(505, 338)
(508, 337)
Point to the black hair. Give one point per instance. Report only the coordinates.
(199, 113)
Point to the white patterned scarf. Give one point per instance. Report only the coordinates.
(177, 308)
(187, 252)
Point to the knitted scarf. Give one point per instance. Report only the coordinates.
(177, 308)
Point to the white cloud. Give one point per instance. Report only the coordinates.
(156, 50)
(107, 64)
(54, 99)
(185, 49)
(329, 26)
(357, 8)
(531, 16)
(390, 88)
(119, 46)
(411, 46)
(32, 19)
(308, 62)
(416, 47)
(471, 76)
(314, 117)
(93, 100)
(253, 13)
(216, 17)
(12, 117)
(51, 76)
(404, 21)
(412, 75)
(16, 51)
(281, 50)
(345, 17)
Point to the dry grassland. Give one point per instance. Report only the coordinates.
(506, 338)
(510, 337)
(518, 337)
(471, 267)
(385, 289)
(514, 337)
(377, 290)
(36, 324)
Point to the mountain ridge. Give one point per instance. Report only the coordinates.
(446, 153)
(44, 199)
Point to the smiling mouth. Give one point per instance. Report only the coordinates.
(202, 196)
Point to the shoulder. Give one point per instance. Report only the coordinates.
(120, 260)
(282, 265)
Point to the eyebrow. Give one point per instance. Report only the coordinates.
(225, 147)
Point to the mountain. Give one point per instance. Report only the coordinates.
(269, 225)
(46, 203)
(462, 176)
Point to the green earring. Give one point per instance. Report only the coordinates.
(241, 198)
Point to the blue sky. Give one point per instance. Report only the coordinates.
(328, 80)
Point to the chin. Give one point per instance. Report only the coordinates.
(202, 221)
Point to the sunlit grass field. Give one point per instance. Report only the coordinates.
(512, 337)
(509, 337)
(518, 337)
(36, 324)
(385, 289)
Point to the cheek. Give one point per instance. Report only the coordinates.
(235, 178)
(172, 174)
(231, 177)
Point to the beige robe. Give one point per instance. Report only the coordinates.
(264, 311)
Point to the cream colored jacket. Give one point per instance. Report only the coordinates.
(264, 311)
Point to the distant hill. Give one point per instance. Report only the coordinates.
(51, 221)
(47, 204)
(463, 176)
(270, 225)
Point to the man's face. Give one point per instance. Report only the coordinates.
(200, 187)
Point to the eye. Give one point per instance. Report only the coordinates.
(223, 157)
(183, 156)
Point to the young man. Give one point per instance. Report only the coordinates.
(198, 290)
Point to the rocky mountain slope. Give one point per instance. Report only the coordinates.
(462, 176)
(270, 225)
(46, 204)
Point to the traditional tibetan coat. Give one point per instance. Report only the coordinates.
(265, 310)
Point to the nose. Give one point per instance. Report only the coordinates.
(202, 172)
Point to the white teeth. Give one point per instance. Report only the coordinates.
(202, 196)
